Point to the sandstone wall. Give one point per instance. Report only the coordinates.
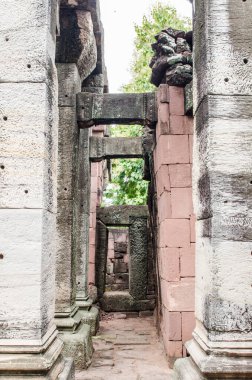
(175, 220)
(28, 181)
(98, 173)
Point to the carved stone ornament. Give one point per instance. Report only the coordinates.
(172, 62)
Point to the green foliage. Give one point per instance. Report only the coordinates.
(127, 185)
(161, 17)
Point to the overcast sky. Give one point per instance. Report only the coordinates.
(118, 18)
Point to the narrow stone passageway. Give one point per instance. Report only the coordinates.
(127, 349)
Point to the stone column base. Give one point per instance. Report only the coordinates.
(35, 362)
(91, 317)
(185, 369)
(76, 336)
(68, 372)
(78, 345)
(204, 365)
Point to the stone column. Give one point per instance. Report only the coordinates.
(92, 84)
(29, 346)
(222, 341)
(138, 265)
(76, 59)
(82, 213)
(75, 334)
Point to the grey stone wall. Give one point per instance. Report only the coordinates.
(29, 144)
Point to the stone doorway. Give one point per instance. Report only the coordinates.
(133, 264)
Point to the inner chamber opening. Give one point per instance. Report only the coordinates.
(118, 256)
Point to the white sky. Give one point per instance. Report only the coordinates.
(118, 18)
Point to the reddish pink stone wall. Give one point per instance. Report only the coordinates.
(176, 233)
(97, 179)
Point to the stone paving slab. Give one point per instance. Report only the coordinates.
(127, 349)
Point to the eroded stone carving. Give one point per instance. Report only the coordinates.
(172, 62)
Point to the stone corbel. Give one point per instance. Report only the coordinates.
(77, 43)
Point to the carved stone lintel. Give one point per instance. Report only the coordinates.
(102, 148)
(120, 215)
(97, 109)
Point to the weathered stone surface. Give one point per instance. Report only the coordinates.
(93, 7)
(30, 13)
(65, 291)
(138, 257)
(78, 346)
(69, 84)
(187, 370)
(115, 147)
(70, 221)
(68, 137)
(120, 247)
(120, 215)
(68, 372)
(140, 356)
(26, 52)
(221, 345)
(224, 140)
(26, 113)
(123, 301)
(228, 37)
(67, 152)
(96, 109)
(91, 317)
(101, 257)
(189, 99)
(37, 361)
(76, 43)
(172, 62)
(29, 346)
(21, 278)
(82, 210)
(94, 81)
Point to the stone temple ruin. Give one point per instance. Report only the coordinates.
(62, 253)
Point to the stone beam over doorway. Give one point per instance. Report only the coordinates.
(99, 109)
(120, 215)
(102, 148)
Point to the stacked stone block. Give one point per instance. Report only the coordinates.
(176, 235)
(117, 276)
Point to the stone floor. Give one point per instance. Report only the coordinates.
(127, 349)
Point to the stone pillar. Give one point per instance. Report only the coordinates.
(76, 59)
(29, 346)
(75, 334)
(83, 212)
(222, 340)
(138, 265)
(93, 84)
